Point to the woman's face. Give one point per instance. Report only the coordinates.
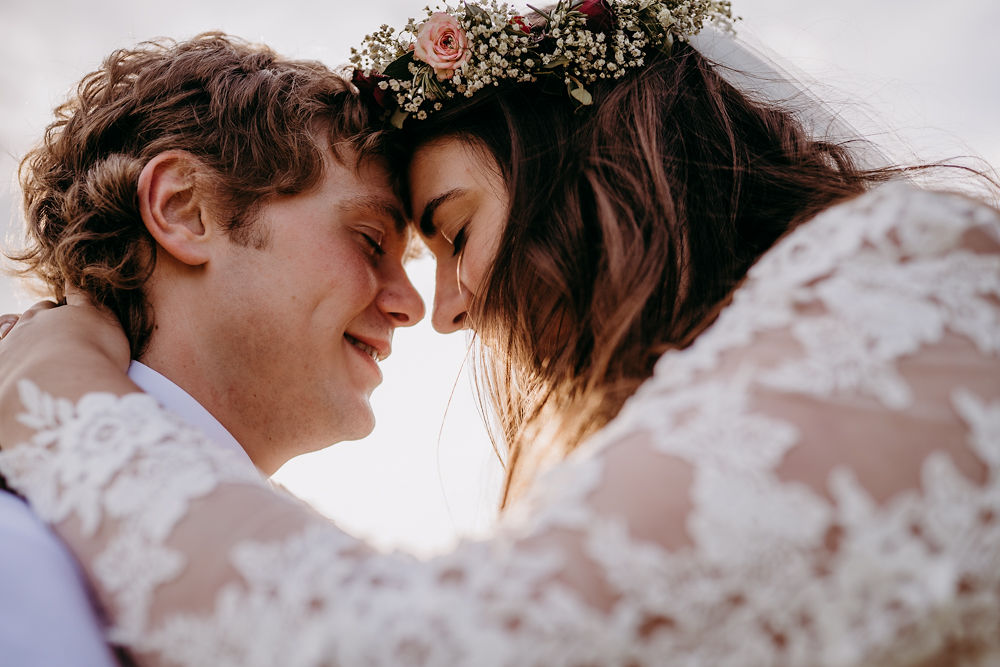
(460, 206)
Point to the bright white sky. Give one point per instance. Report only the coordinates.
(923, 70)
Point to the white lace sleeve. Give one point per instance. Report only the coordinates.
(815, 481)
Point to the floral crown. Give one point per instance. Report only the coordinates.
(456, 52)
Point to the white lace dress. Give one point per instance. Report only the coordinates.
(815, 482)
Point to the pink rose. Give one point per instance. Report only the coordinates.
(442, 44)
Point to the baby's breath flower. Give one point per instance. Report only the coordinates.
(579, 44)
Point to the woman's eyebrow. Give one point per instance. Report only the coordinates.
(427, 227)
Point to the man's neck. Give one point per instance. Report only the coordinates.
(182, 404)
(183, 368)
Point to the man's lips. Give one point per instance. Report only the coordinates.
(375, 348)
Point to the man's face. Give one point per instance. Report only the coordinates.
(300, 321)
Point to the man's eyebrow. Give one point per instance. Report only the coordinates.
(380, 206)
(427, 227)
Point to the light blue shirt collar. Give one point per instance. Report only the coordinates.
(182, 404)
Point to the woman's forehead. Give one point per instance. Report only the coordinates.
(450, 164)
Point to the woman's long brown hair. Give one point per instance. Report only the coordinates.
(630, 225)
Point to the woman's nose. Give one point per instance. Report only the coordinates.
(450, 309)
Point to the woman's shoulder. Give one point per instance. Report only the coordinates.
(901, 195)
(895, 243)
(896, 221)
(901, 204)
(850, 292)
(841, 412)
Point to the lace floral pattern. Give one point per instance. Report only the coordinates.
(100, 436)
(815, 481)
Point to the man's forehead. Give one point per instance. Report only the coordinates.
(363, 184)
(370, 177)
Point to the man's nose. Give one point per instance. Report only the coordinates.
(401, 301)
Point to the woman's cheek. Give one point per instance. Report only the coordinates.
(472, 270)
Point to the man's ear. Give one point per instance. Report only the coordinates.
(173, 208)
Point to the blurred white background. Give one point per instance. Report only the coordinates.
(924, 71)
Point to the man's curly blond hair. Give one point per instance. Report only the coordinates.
(248, 116)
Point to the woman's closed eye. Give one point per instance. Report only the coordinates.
(458, 242)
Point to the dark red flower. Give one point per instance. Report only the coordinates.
(521, 24)
(600, 17)
(368, 86)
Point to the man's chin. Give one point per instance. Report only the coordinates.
(359, 423)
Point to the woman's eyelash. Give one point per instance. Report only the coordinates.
(458, 243)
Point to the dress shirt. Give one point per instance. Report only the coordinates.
(46, 614)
